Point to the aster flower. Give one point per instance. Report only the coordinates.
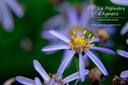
(120, 2)
(123, 53)
(80, 43)
(6, 19)
(65, 27)
(48, 79)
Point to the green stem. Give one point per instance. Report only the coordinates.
(76, 63)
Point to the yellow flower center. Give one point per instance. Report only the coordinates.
(82, 42)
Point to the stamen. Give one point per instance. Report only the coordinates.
(81, 43)
(57, 80)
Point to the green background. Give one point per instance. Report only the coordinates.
(15, 61)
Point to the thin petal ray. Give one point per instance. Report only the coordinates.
(55, 47)
(25, 81)
(124, 29)
(16, 8)
(124, 74)
(72, 16)
(105, 50)
(40, 70)
(74, 76)
(37, 81)
(123, 53)
(6, 17)
(65, 62)
(82, 67)
(120, 2)
(60, 36)
(97, 62)
(96, 39)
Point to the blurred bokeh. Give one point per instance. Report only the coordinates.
(20, 47)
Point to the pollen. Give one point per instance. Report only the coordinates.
(81, 43)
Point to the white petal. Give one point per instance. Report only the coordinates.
(74, 76)
(25, 81)
(14, 5)
(120, 2)
(81, 67)
(65, 54)
(65, 62)
(55, 47)
(60, 36)
(124, 29)
(97, 62)
(51, 44)
(6, 17)
(105, 50)
(54, 22)
(41, 70)
(96, 39)
(123, 53)
(71, 77)
(86, 60)
(124, 74)
(46, 35)
(72, 15)
(85, 16)
(0, 15)
(37, 81)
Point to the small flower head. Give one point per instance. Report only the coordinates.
(80, 43)
(54, 79)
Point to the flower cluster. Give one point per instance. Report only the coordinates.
(79, 42)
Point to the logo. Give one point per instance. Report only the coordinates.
(92, 9)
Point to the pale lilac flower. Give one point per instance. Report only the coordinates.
(48, 79)
(120, 2)
(73, 22)
(78, 44)
(6, 18)
(123, 53)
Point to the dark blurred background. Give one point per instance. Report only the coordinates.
(21, 46)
